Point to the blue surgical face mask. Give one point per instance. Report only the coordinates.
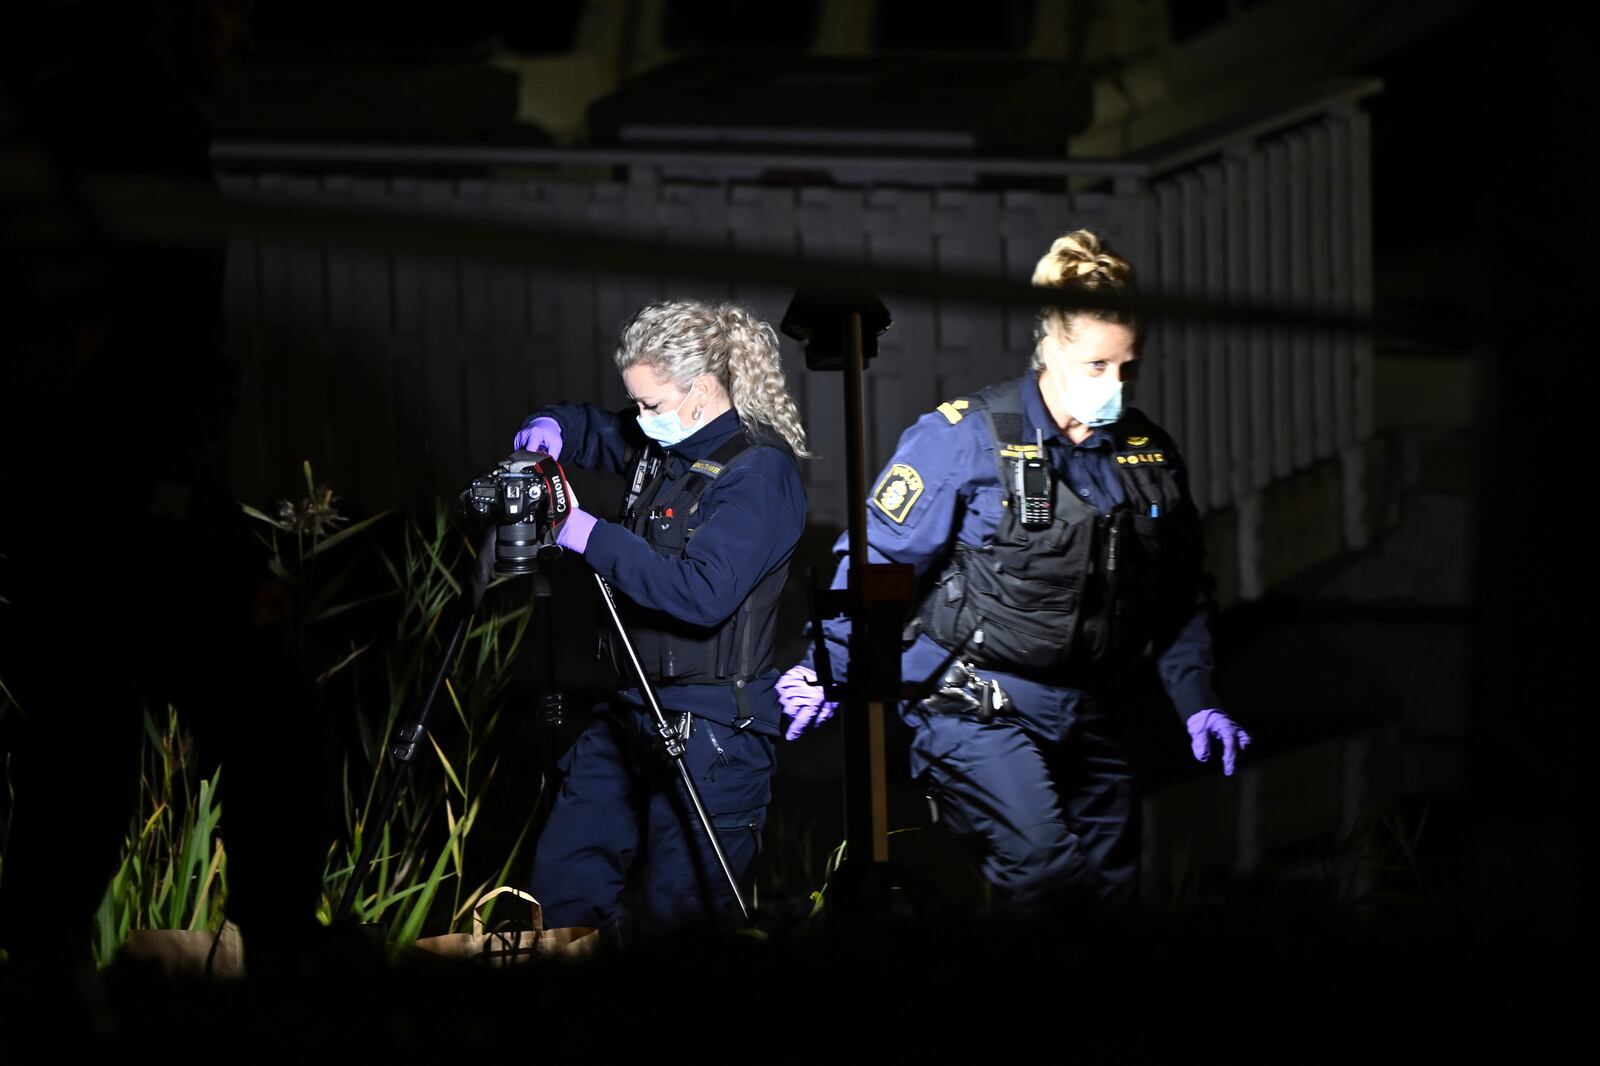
(665, 428)
(1092, 401)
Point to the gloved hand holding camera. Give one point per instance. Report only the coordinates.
(573, 534)
(539, 435)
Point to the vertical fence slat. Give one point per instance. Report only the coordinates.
(506, 317)
(978, 333)
(1157, 391)
(1236, 225)
(1280, 292)
(1360, 165)
(560, 303)
(440, 275)
(1195, 440)
(1022, 242)
(1341, 280)
(1259, 290)
(472, 276)
(899, 390)
(1322, 219)
(366, 362)
(1301, 363)
(409, 311)
(824, 392)
(340, 296)
(371, 286)
(1216, 338)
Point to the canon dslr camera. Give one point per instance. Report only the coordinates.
(527, 497)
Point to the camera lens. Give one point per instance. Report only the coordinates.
(517, 548)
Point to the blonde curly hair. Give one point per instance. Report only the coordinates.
(1079, 260)
(682, 339)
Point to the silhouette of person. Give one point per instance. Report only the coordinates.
(131, 575)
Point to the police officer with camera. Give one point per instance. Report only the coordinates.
(1057, 548)
(698, 556)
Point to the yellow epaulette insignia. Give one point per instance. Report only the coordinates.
(706, 467)
(1019, 451)
(953, 409)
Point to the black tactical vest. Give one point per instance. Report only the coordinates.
(672, 651)
(1044, 602)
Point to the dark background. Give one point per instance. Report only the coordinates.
(1484, 230)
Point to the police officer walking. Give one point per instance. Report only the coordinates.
(698, 556)
(1058, 550)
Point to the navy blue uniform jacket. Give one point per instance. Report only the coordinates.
(755, 513)
(956, 495)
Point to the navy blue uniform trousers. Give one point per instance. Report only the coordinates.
(1046, 795)
(624, 845)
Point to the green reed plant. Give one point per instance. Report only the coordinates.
(369, 602)
(173, 870)
(422, 875)
(173, 873)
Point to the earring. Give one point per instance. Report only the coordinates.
(696, 413)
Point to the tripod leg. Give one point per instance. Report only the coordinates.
(410, 734)
(674, 746)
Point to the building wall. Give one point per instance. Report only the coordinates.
(404, 376)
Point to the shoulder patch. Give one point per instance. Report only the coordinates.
(954, 410)
(897, 491)
(707, 467)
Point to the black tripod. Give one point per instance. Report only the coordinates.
(410, 734)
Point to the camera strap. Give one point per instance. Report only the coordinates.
(557, 492)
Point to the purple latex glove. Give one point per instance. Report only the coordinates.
(574, 532)
(540, 435)
(1206, 726)
(802, 700)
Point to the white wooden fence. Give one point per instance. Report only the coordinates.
(401, 377)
